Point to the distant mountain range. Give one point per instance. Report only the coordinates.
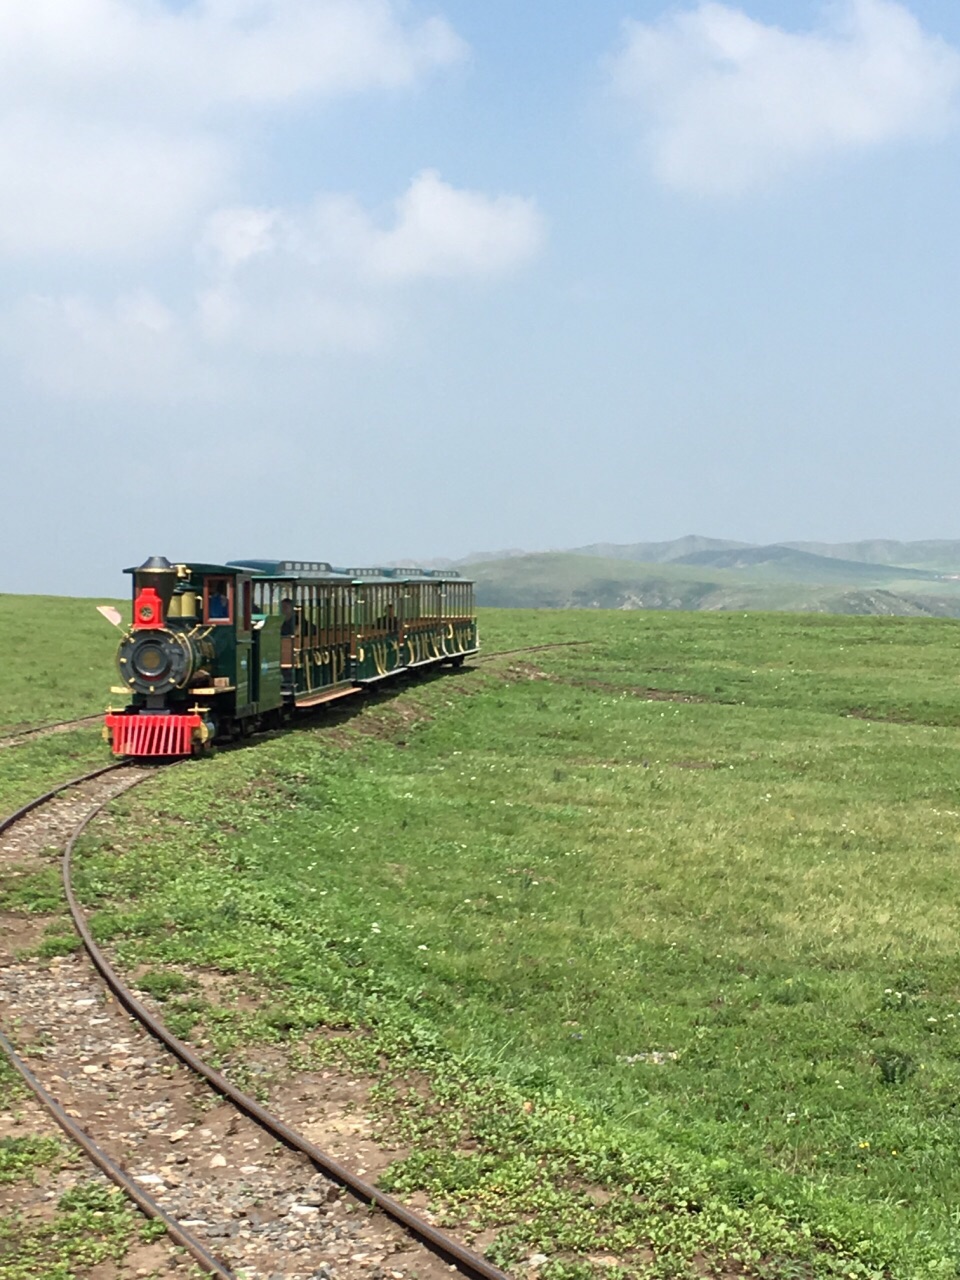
(871, 577)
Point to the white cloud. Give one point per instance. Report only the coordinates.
(125, 129)
(234, 236)
(287, 283)
(119, 118)
(441, 231)
(134, 348)
(106, 190)
(328, 275)
(438, 231)
(726, 103)
(213, 52)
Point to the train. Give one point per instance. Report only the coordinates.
(216, 651)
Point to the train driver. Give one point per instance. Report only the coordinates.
(218, 602)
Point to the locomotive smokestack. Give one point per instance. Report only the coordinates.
(158, 573)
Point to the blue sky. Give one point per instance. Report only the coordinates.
(365, 280)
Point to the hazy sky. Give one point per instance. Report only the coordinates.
(376, 279)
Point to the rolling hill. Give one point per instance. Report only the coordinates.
(933, 555)
(782, 563)
(938, 555)
(659, 552)
(725, 578)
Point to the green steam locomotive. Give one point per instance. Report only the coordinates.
(217, 651)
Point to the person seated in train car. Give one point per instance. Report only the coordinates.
(218, 601)
(287, 620)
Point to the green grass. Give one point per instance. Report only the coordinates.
(59, 659)
(693, 960)
(20, 1158)
(92, 1225)
(11, 1086)
(876, 667)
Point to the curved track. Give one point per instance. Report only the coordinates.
(18, 814)
(137, 1193)
(451, 1251)
(128, 1185)
(64, 726)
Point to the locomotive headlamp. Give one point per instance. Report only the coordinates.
(150, 661)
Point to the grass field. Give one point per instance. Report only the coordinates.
(58, 664)
(667, 920)
(58, 659)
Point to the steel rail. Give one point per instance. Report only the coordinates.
(128, 1185)
(468, 1262)
(10, 738)
(97, 1155)
(7, 822)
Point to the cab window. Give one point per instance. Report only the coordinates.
(218, 601)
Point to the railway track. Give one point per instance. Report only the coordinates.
(42, 730)
(64, 726)
(70, 1063)
(219, 1174)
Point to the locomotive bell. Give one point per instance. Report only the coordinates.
(158, 573)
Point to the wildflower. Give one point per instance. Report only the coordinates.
(421, 947)
(864, 1146)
